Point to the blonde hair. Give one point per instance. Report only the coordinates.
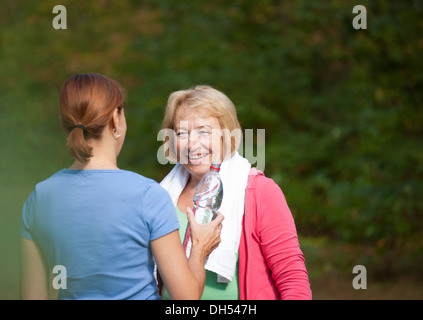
(210, 102)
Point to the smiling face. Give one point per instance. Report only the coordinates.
(198, 140)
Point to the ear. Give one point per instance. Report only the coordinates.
(115, 119)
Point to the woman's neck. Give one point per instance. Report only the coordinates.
(103, 156)
(193, 181)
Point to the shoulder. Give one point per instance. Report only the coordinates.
(264, 185)
(137, 178)
(48, 182)
(146, 185)
(267, 196)
(272, 213)
(147, 189)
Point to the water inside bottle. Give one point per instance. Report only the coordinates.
(210, 198)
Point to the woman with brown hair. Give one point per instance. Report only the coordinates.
(102, 226)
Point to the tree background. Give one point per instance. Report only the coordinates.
(342, 110)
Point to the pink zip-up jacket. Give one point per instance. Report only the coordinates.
(271, 263)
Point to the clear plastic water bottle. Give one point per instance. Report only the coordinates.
(208, 195)
(207, 199)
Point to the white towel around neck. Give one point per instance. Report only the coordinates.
(234, 174)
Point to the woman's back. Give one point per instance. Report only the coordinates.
(98, 224)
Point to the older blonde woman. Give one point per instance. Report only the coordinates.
(259, 256)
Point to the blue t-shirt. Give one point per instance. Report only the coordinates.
(98, 224)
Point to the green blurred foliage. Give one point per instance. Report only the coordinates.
(342, 108)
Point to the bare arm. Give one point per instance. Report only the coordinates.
(33, 272)
(185, 279)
